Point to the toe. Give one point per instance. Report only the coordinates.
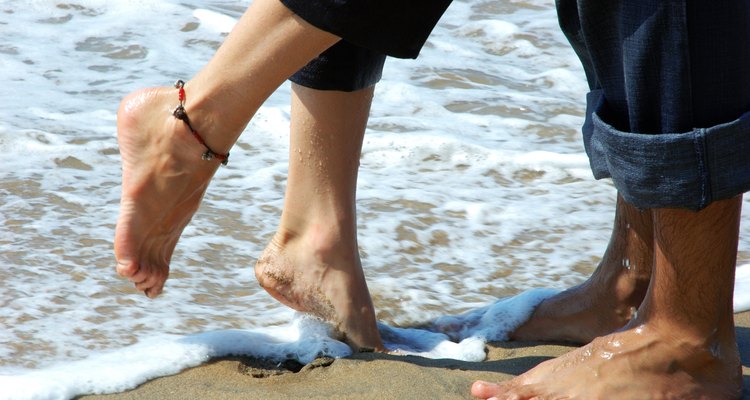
(484, 390)
(145, 284)
(141, 277)
(151, 285)
(153, 292)
(127, 268)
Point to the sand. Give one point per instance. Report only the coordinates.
(365, 376)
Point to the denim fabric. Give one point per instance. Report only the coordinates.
(344, 67)
(688, 170)
(667, 115)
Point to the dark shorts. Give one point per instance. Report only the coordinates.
(344, 67)
(370, 30)
(668, 115)
(398, 28)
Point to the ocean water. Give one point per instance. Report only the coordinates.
(473, 187)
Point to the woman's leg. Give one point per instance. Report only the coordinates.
(313, 262)
(164, 177)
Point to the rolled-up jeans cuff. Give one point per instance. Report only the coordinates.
(670, 170)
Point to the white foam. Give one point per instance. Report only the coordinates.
(460, 337)
(304, 339)
(116, 371)
(496, 321)
(742, 288)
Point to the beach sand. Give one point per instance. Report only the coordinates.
(366, 376)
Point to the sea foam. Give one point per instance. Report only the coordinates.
(742, 288)
(303, 340)
(460, 337)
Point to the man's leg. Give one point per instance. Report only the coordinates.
(681, 344)
(164, 178)
(313, 263)
(607, 300)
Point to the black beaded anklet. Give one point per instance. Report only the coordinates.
(181, 114)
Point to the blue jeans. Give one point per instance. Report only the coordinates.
(668, 115)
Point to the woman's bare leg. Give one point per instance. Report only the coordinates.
(313, 262)
(164, 178)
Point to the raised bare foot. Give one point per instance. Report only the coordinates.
(640, 362)
(163, 182)
(315, 273)
(609, 298)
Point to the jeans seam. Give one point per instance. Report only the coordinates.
(699, 142)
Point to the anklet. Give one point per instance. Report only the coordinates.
(181, 114)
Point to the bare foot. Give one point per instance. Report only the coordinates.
(311, 273)
(578, 315)
(637, 363)
(609, 298)
(163, 182)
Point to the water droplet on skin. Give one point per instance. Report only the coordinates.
(714, 349)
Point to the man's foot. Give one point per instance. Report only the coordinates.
(637, 363)
(310, 273)
(163, 182)
(582, 313)
(609, 298)
(682, 343)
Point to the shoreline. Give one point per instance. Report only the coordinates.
(366, 375)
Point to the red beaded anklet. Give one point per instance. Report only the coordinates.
(181, 114)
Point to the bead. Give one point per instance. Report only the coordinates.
(180, 113)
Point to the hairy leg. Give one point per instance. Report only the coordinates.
(607, 300)
(164, 177)
(680, 345)
(313, 262)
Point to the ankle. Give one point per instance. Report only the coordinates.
(148, 133)
(718, 339)
(629, 291)
(218, 124)
(617, 289)
(324, 241)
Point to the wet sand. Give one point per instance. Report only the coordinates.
(365, 376)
